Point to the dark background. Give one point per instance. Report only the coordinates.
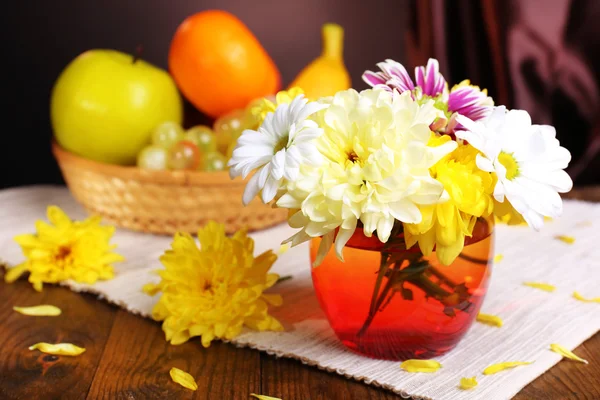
(509, 47)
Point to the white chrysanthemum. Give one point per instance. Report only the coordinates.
(527, 159)
(375, 168)
(283, 142)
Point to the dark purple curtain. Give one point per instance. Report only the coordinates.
(539, 55)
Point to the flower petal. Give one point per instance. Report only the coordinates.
(563, 351)
(420, 365)
(495, 368)
(39, 311)
(565, 239)
(263, 397)
(183, 378)
(12, 274)
(543, 286)
(60, 349)
(490, 319)
(468, 383)
(579, 297)
(283, 248)
(498, 258)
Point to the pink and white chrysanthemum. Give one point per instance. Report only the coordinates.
(463, 99)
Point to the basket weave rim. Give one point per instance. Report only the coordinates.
(68, 159)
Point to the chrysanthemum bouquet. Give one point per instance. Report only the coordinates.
(409, 163)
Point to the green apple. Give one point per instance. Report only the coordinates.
(105, 104)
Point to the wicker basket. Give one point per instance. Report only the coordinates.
(162, 202)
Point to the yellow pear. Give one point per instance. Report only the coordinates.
(326, 74)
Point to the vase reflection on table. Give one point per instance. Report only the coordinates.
(387, 302)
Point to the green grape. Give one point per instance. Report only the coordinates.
(228, 128)
(215, 162)
(167, 134)
(183, 155)
(230, 122)
(203, 137)
(229, 152)
(153, 157)
(251, 121)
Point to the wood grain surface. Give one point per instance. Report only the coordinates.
(127, 358)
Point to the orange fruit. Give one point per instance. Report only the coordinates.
(218, 63)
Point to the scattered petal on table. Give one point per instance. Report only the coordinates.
(420, 365)
(566, 239)
(492, 369)
(579, 297)
(59, 349)
(263, 397)
(498, 258)
(557, 348)
(39, 311)
(151, 289)
(490, 319)
(183, 378)
(468, 383)
(543, 286)
(284, 248)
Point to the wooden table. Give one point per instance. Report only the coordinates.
(127, 357)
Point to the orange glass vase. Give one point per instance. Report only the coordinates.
(390, 303)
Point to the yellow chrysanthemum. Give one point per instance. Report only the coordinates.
(469, 190)
(66, 249)
(215, 290)
(266, 106)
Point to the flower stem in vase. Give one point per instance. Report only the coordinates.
(421, 274)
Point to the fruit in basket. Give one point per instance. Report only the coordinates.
(203, 137)
(153, 157)
(327, 74)
(219, 64)
(228, 129)
(184, 155)
(105, 104)
(167, 134)
(214, 161)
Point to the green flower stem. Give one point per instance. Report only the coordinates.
(383, 268)
(417, 272)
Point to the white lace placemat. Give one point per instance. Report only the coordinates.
(533, 319)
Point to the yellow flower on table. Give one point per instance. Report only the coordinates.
(66, 249)
(214, 290)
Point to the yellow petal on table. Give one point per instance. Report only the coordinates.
(59, 349)
(263, 397)
(492, 369)
(579, 297)
(498, 258)
(151, 289)
(490, 319)
(543, 286)
(557, 348)
(468, 383)
(39, 311)
(565, 238)
(420, 365)
(284, 248)
(183, 378)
